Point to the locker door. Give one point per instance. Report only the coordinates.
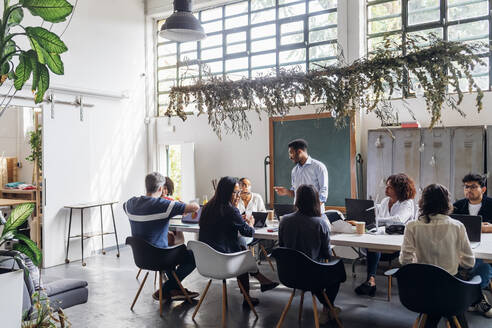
(379, 166)
(435, 166)
(467, 156)
(406, 154)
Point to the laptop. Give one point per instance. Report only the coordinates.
(473, 226)
(283, 209)
(361, 210)
(260, 218)
(192, 217)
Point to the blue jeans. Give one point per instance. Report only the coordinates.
(185, 267)
(373, 259)
(483, 270)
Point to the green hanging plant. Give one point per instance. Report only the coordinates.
(45, 46)
(366, 84)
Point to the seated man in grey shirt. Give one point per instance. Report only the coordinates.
(307, 230)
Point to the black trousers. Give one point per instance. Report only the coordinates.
(331, 291)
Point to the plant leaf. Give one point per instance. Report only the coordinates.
(43, 83)
(18, 216)
(23, 71)
(46, 39)
(33, 58)
(53, 11)
(15, 17)
(35, 252)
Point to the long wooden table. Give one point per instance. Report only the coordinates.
(374, 242)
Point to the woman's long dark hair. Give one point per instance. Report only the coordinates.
(434, 200)
(307, 200)
(215, 208)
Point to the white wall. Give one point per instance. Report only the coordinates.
(103, 157)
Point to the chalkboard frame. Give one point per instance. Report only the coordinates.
(272, 120)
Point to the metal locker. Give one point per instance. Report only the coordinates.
(489, 160)
(435, 166)
(467, 156)
(406, 154)
(379, 166)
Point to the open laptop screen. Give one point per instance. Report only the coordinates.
(473, 225)
(360, 210)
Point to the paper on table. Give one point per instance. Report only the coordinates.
(342, 227)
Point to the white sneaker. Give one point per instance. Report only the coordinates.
(483, 307)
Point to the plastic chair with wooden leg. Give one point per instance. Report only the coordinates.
(181, 287)
(224, 308)
(160, 293)
(389, 288)
(300, 306)
(263, 250)
(246, 296)
(139, 290)
(315, 311)
(138, 273)
(417, 321)
(332, 310)
(201, 300)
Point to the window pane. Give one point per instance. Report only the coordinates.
(212, 53)
(263, 16)
(212, 41)
(426, 34)
(237, 8)
(263, 72)
(262, 45)
(166, 49)
(470, 31)
(263, 31)
(188, 71)
(212, 26)
(384, 17)
(211, 14)
(269, 59)
(213, 67)
(167, 61)
(462, 9)
(188, 56)
(291, 56)
(166, 74)
(326, 50)
(293, 10)
(319, 64)
(375, 43)
(322, 20)
(235, 48)
(319, 5)
(236, 22)
(423, 11)
(260, 4)
(323, 35)
(187, 46)
(236, 64)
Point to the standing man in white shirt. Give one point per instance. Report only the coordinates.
(308, 171)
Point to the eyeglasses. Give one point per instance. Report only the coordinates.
(472, 187)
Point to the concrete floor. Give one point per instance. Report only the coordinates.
(112, 286)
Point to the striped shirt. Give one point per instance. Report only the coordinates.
(314, 173)
(149, 218)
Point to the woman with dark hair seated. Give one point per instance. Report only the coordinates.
(307, 230)
(397, 208)
(220, 223)
(173, 237)
(437, 239)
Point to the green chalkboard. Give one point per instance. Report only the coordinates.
(334, 146)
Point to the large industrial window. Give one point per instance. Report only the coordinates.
(453, 20)
(250, 38)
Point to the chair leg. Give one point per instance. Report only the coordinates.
(456, 322)
(155, 278)
(300, 306)
(139, 290)
(263, 250)
(246, 296)
(160, 293)
(315, 311)
(332, 310)
(286, 309)
(333, 252)
(448, 325)
(417, 321)
(138, 273)
(389, 288)
(226, 299)
(201, 299)
(224, 296)
(252, 249)
(423, 321)
(182, 288)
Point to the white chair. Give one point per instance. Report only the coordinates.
(215, 265)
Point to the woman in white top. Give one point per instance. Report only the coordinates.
(437, 239)
(249, 202)
(397, 208)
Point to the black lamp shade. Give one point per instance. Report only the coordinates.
(182, 26)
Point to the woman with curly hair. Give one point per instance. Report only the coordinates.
(397, 208)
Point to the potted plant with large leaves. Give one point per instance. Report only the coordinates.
(43, 53)
(11, 281)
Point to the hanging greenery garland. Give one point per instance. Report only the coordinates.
(438, 68)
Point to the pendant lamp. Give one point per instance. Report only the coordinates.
(182, 26)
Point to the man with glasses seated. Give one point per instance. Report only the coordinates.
(476, 201)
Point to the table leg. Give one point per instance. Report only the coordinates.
(115, 234)
(102, 231)
(82, 234)
(68, 238)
